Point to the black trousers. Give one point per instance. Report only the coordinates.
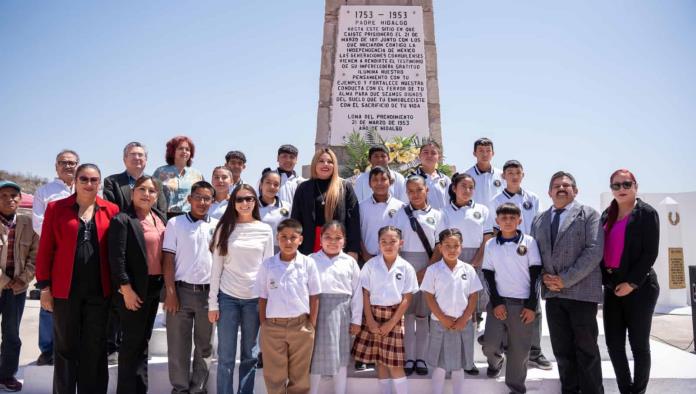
(113, 328)
(574, 331)
(137, 330)
(633, 314)
(79, 343)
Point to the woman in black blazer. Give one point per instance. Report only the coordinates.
(632, 237)
(135, 251)
(323, 198)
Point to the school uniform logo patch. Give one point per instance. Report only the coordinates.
(442, 183)
(463, 276)
(430, 221)
(399, 276)
(284, 212)
(496, 183)
(527, 205)
(392, 212)
(522, 250)
(477, 215)
(272, 284)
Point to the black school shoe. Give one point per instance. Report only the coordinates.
(421, 367)
(359, 366)
(473, 371)
(45, 358)
(409, 366)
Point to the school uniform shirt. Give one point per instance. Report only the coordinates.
(438, 185)
(235, 274)
(375, 215)
(189, 240)
(429, 218)
(527, 202)
(273, 214)
(451, 288)
(488, 184)
(473, 220)
(52, 191)
(510, 260)
(218, 208)
(341, 275)
(387, 286)
(288, 185)
(287, 285)
(364, 191)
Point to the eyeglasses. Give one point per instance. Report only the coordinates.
(87, 180)
(248, 199)
(199, 198)
(618, 185)
(67, 163)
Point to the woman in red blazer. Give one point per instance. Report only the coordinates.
(72, 270)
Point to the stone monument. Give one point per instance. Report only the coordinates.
(378, 70)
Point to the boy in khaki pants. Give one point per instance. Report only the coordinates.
(288, 286)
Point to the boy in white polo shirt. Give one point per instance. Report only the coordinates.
(288, 285)
(528, 203)
(489, 181)
(511, 267)
(186, 268)
(378, 156)
(377, 211)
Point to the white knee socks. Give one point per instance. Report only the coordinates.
(385, 386)
(438, 380)
(340, 380)
(458, 381)
(400, 385)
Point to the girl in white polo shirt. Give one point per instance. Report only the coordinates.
(450, 287)
(340, 313)
(418, 217)
(388, 283)
(273, 209)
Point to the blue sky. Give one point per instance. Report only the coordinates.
(585, 86)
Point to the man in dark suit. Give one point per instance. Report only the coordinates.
(117, 187)
(571, 244)
(118, 190)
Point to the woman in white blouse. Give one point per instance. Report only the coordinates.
(240, 244)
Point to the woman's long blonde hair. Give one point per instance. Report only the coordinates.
(335, 190)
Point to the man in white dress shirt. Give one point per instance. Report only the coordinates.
(62, 186)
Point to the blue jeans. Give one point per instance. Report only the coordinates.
(235, 312)
(45, 331)
(11, 308)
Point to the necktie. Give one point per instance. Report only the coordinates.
(554, 225)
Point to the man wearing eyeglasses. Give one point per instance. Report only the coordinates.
(62, 186)
(118, 189)
(186, 267)
(571, 243)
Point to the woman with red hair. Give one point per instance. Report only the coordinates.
(632, 237)
(178, 176)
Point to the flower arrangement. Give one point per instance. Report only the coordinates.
(403, 152)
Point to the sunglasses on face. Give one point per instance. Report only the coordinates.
(618, 185)
(87, 180)
(248, 199)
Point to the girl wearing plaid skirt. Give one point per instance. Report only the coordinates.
(450, 287)
(340, 306)
(388, 283)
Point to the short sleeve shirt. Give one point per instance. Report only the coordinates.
(510, 261)
(373, 216)
(527, 202)
(451, 288)
(388, 285)
(473, 220)
(287, 285)
(189, 240)
(430, 219)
